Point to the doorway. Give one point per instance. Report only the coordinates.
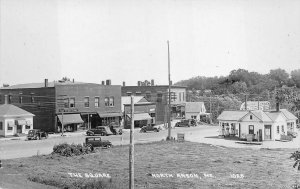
(267, 132)
(19, 128)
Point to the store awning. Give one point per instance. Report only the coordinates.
(21, 122)
(70, 118)
(112, 114)
(142, 116)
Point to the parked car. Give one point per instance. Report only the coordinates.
(115, 129)
(186, 123)
(100, 130)
(149, 127)
(96, 141)
(36, 134)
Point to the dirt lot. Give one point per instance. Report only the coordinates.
(158, 165)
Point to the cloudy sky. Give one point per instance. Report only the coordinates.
(126, 40)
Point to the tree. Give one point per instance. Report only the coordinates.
(280, 75)
(295, 76)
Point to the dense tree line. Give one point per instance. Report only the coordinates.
(229, 92)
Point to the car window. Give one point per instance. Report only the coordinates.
(90, 139)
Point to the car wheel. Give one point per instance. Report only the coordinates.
(108, 146)
(156, 130)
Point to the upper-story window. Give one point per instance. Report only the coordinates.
(66, 103)
(128, 93)
(32, 99)
(111, 101)
(86, 102)
(138, 93)
(251, 117)
(159, 97)
(72, 102)
(97, 102)
(180, 97)
(106, 101)
(1, 125)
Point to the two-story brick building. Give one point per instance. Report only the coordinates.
(70, 102)
(159, 95)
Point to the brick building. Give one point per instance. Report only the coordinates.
(159, 95)
(72, 103)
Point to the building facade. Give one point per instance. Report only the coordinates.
(158, 94)
(71, 103)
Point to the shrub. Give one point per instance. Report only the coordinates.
(67, 150)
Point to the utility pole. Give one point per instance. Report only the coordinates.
(131, 150)
(245, 101)
(169, 103)
(210, 120)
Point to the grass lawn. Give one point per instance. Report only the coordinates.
(159, 165)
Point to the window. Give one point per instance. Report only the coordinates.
(129, 93)
(159, 97)
(111, 101)
(250, 116)
(86, 102)
(97, 102)
(251, 129)
(27, 127)
(1, 126)
(138, 93)
(183, 97)
(20, 99)
(32, 99)
(66, 103)
(9, 128)
(106, 101)
(72, 102)
(278, 129)
(148, 95)
(282, 128)
(9, 99)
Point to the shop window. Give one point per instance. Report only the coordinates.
(97, 103)
(111, 101)
(1, 125)
(86, 102)
(106, 101)
(251, 129)
(72, 102)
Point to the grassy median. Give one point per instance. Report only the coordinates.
(162, 165)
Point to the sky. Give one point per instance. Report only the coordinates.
(126, 40)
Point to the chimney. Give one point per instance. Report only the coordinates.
(73, 80)
(46, 83)
(139, 83)
(5, 99)
(152, 82)
(124, 84)
(103, 82)
(277, 106)
(108, 82)
(171, 83)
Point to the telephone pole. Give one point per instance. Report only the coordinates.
(131, 150)
(169, 103)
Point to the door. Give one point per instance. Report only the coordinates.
(19, 128)
(260, 135)
(267, 132)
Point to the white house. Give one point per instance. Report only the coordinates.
(195, 110)
(263, 125)
(14, 120)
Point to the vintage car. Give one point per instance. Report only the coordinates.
(149, 127)
(103, 131)
(186, 123)
(115, 129)
(36, 134)
(96, 141)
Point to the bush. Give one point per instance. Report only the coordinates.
(68, 150)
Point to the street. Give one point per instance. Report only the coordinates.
(10, 149)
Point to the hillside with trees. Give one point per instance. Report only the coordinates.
(229, 92)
